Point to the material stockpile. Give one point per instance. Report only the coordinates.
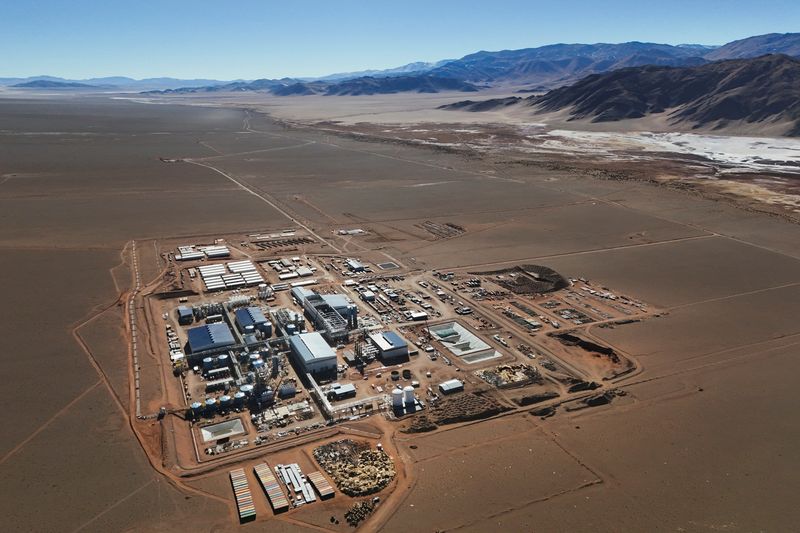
(461, 408)
(527, 279)
(506, 376)
(359, 512)
(356, 469)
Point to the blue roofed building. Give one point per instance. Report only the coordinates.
(185, 315)
(312, 355)
(251, 319)
(209, 337)
(392, 348)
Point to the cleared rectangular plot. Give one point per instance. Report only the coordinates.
(682, 272)
(721, 458)
(485, 476)
(550, 231)
(709, 328)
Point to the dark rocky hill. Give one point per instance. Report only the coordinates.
(762, 90)
(754, 90)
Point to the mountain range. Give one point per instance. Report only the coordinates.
(532, 70)
(528, 69)
(763, 90)
(119, 83)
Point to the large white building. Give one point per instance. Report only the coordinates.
(312, 354)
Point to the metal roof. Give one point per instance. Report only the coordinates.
(210, 336)
(337, 301)
(341, 390)
(250, 316)
(451, 384)
(311, 347)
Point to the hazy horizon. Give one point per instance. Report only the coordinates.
(253, 39)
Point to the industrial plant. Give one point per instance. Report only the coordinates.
(267, 349)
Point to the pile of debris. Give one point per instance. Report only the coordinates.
(356, 469)
(359, 512)
(507, 376)
(536, 398)
(420, 424)
(527, 279)
(464, 407)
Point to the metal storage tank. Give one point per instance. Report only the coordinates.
(254, 358)
(225, 402)
(211, 406)
(238, 399)
(267, 396)
(258, 364)
(197, 409)
(208, 363)
(223, 360)
(291, 329)
(247, 389)
(397, 398)
(408, 394)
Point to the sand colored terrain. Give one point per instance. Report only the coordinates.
(711, 401)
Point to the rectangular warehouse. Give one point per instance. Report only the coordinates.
(450, 386)
(210, 337)
(250, 319)
(312, 354)
(354, 265)
(185, 315)
(391, 346)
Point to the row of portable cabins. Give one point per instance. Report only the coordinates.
(270, 485)
(292, 475)
(322, 485)
(244, 498)
(268, 481)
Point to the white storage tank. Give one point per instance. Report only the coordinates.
(211, 406)
(225, 402)
(408, 394)
(397, 398)
(238, 399)
(247, 390)
(197, 409)
(208, 363)
(222, 360)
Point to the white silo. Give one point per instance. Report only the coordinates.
(397, 398)
(408, 394)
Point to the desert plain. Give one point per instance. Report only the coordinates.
(703, 440)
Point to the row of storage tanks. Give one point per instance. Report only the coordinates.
(225, 402)
(403, 396)
(210, 363)
(255, 360)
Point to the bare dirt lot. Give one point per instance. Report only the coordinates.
(712, 399)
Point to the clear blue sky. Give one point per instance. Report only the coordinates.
(227, 39)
